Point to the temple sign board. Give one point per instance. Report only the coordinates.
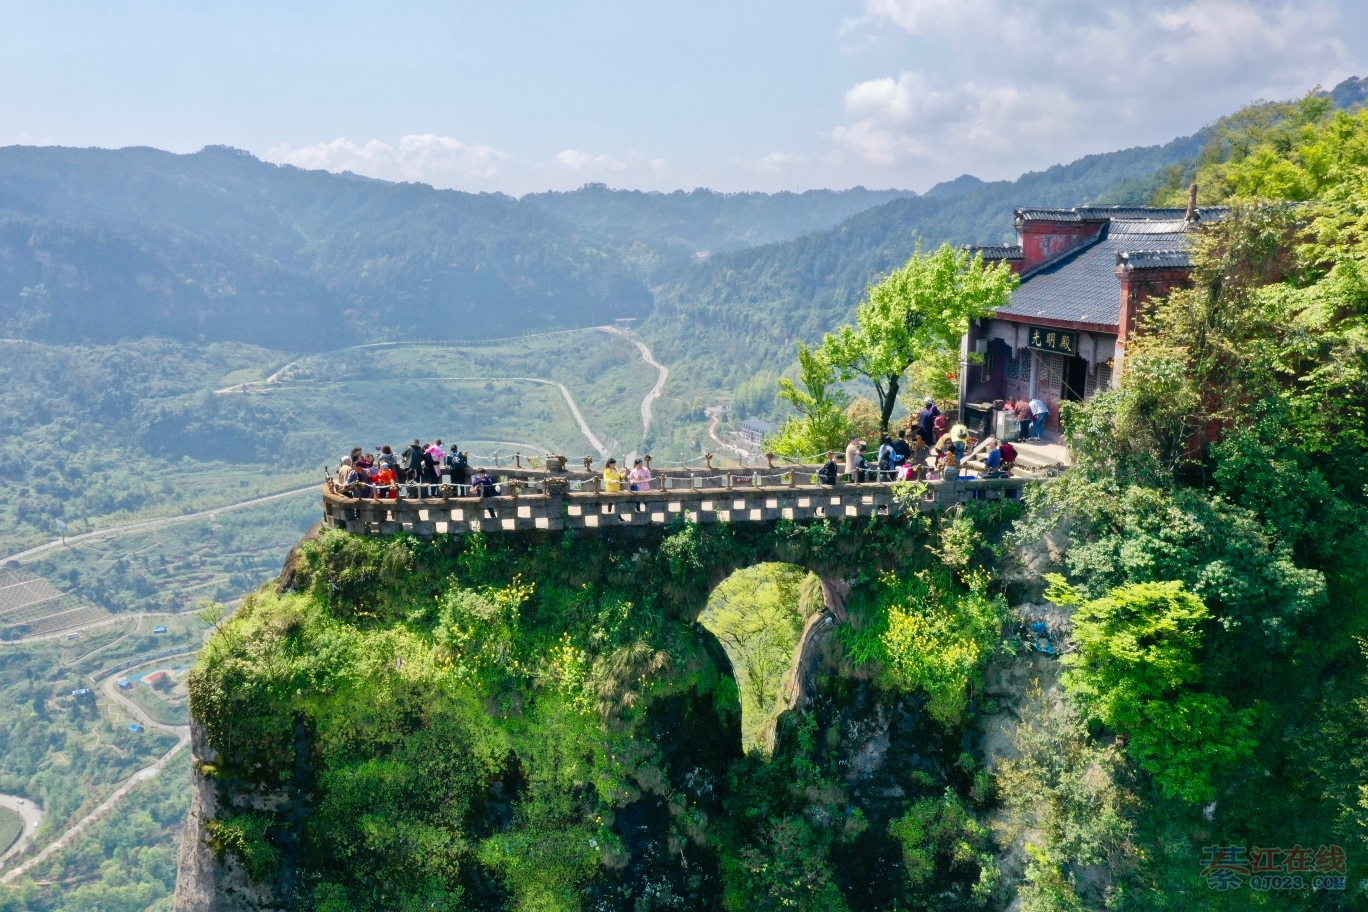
(1049, 339)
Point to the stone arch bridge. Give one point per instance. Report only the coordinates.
(537, 499)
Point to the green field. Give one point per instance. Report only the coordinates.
(11, 827)
(165, 711)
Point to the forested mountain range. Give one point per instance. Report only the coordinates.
(100, 245)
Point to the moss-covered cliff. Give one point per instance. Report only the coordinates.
(539, 722)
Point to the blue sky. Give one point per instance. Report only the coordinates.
(519, 96)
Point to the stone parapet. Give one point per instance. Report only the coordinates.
(553, 505)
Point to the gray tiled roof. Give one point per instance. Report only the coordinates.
(1081, 286)
(1098, 213)
(996, 251)
(1154, 259)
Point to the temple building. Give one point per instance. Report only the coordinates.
(1085, 273)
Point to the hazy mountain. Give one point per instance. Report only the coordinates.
(98, 245)
(965, 183)
(704, 220)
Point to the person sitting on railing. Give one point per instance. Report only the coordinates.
(385, 482)
(828, 473)
(482, 485)
(343, 470)
(612, 477)
(640, 476)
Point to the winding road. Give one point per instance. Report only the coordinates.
(32, 816)
(663, 374)
(274, 381)
(182, 733)
(35, 553)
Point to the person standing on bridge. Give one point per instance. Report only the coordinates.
(457, 465)
(852, 458)
(640, 476)
(413, 460)
(612, 477)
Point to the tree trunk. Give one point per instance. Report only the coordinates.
(888, 398)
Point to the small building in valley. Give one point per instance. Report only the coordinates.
(1085, 273)
(754, 430)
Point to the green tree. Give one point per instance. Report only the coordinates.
(920, 311)
(1137, 670)
(821, 423)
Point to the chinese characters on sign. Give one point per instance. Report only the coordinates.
(1297, 868)
(1045, 338)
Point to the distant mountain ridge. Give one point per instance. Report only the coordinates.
(702, 220)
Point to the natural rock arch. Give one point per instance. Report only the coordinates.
(260, 739)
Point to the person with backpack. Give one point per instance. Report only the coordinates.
(457, 466)
(828, 473)
(902, 450)
(885, 458)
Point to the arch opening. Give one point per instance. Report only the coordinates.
(759, 615)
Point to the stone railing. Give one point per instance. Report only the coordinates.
(531, 499)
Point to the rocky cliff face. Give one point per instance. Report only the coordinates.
(209, 879)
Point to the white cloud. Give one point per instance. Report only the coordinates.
(576, 160)
(1036, 83)
(437, 160)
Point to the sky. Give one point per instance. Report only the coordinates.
(526, 95)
